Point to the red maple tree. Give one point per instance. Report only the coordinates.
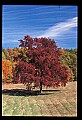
(44, 67)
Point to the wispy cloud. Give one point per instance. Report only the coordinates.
(60, 28)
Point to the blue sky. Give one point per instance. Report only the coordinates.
(57, 22)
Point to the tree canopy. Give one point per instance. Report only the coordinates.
(44, 66)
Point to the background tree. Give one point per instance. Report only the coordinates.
(7, 71)
(44, 66)
(69, 58)
(3, 56)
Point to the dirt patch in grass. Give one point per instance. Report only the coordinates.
(12, 86)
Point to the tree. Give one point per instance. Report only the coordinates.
(69, 58)
(7, 71)
(43, 67)
(3, 56)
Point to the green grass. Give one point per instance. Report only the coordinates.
(56, 103)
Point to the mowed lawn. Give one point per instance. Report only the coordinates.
(52, 102)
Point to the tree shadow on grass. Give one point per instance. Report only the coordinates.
(22, 92)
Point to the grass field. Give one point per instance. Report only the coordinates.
(52, 102)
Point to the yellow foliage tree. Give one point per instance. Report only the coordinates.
(7, 70)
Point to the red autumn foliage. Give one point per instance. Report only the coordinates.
(44, 64)
(24, 72)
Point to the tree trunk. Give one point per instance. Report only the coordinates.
(40, 87)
